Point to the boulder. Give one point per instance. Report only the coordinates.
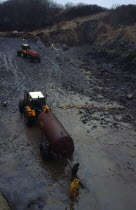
(130, 96)
(3, 203)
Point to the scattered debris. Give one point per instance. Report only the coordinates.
(132, 169)
(130, 96)
(39, 203)
(4, 103)
(91, 107)
(15, 32)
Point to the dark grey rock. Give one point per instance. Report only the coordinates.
(130, 96)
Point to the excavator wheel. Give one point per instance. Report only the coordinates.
(29, 121)
(39, 60)
(18, 53)
(22, 55)
(21, 106)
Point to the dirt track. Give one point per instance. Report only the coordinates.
(104, 139)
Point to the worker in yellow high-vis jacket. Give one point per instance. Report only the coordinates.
(74, 188)
(52, 45)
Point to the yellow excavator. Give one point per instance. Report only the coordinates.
(32, 105)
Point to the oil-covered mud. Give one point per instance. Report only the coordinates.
(104, 135)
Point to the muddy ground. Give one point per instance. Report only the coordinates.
(105, 138)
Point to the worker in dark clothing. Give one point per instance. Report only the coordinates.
(74, 171)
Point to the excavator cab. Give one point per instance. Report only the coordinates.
(25, 47)
(35, 100)
(32, 105)
(23, 51)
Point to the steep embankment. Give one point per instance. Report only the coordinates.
(111, 41)
(73, 32)
(112, 44)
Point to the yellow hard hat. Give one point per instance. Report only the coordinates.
(76, 181)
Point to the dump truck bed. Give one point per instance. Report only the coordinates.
(33, 53)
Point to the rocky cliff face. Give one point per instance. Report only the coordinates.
(86, 32)
(113, 44)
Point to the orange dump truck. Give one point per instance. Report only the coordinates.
(26, 51)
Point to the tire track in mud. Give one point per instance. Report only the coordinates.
(14, 68)
(19, 75)
(59, 73)
(8, 74)
(57, 69)
(16, 77)
(5, 61)
(54, 73)
(11, 66)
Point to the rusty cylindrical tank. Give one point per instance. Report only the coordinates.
(57, 136)
(33, 53)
